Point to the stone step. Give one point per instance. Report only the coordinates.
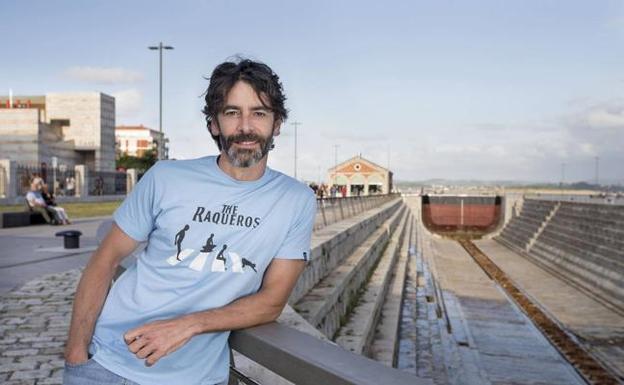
(590, 270)
(357, 333)
(588, 225)
(385, 344)
(334, 243)
(599, 254)
(557, 260)
(325, 305)
(599, 220)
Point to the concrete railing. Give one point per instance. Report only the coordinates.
(305, 360)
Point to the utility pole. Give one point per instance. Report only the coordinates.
(296, 124)
(596, 173)
(160, 48)
(336, 146)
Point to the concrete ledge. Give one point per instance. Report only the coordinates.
(305, 360)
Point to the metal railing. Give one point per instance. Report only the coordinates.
(3, 182)
(332, 210)
(60, 180)
(107, 183)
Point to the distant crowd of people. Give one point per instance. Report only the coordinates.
(41, 200)
(323, 191)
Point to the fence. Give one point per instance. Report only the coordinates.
(332, 210)
(60, 180)
(3, 183)
(107, 183)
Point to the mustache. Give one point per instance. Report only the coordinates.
(245, 138)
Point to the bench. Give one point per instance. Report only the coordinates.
(20, 218)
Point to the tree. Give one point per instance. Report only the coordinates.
(143, 162)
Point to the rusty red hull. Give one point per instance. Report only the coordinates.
(449, 215)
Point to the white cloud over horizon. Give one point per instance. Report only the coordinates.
(128, 104)
(103, 75)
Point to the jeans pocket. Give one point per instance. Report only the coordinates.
(78, 365)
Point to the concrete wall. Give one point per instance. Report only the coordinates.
(91, 118)
(19, 133)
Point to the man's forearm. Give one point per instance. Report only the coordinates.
(245, 312)
(88, 302)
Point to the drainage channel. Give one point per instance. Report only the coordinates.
(585, 364)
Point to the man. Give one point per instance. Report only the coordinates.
(167, 320)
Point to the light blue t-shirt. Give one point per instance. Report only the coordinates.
(210, 238)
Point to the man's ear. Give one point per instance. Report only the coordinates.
(214, 128)
(276, 127)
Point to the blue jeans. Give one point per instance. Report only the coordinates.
(92, 373)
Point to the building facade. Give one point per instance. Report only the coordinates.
(360, 177)
(135, 140)
(76, 128)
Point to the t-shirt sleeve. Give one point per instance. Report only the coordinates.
(137, 214)
(297, 242)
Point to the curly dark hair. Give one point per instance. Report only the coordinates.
(258, 75)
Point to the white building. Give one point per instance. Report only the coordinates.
(135, 140)
(77, 128)
(360, 177)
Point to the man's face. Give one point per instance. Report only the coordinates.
(245, 126)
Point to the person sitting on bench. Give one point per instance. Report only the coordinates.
(51, 214)
(50, 200)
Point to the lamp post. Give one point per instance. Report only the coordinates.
(596, 171)
(296, 124)
(160, 48)
(336, 163)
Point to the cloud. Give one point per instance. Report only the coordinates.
(101, 75)
(128, 102)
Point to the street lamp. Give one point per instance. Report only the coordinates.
(296, 124)
(160, 48)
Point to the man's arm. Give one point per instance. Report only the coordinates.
(157, 339)
(92, 290)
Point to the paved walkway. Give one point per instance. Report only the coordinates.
(30, 252)
(33, 328)
(37, 283)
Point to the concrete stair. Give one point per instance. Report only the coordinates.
(385, 344)
(358, 332)
(327, 303)
(583, 243)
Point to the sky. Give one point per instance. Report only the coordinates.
(487, 90)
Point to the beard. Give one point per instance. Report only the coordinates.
(246, 157)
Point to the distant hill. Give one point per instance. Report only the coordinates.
(507, 184)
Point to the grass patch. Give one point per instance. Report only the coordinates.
(76, 210)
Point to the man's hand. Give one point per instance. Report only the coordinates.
(92, 290)
(155, 340)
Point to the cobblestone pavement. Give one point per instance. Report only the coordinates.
(33, 328)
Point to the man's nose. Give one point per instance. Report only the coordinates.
(245, 123)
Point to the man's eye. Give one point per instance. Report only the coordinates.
(260, 114)
(230, 113)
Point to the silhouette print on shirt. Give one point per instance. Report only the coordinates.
(179, 238)
(247, 262)
(220, 256)
(209, 246)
